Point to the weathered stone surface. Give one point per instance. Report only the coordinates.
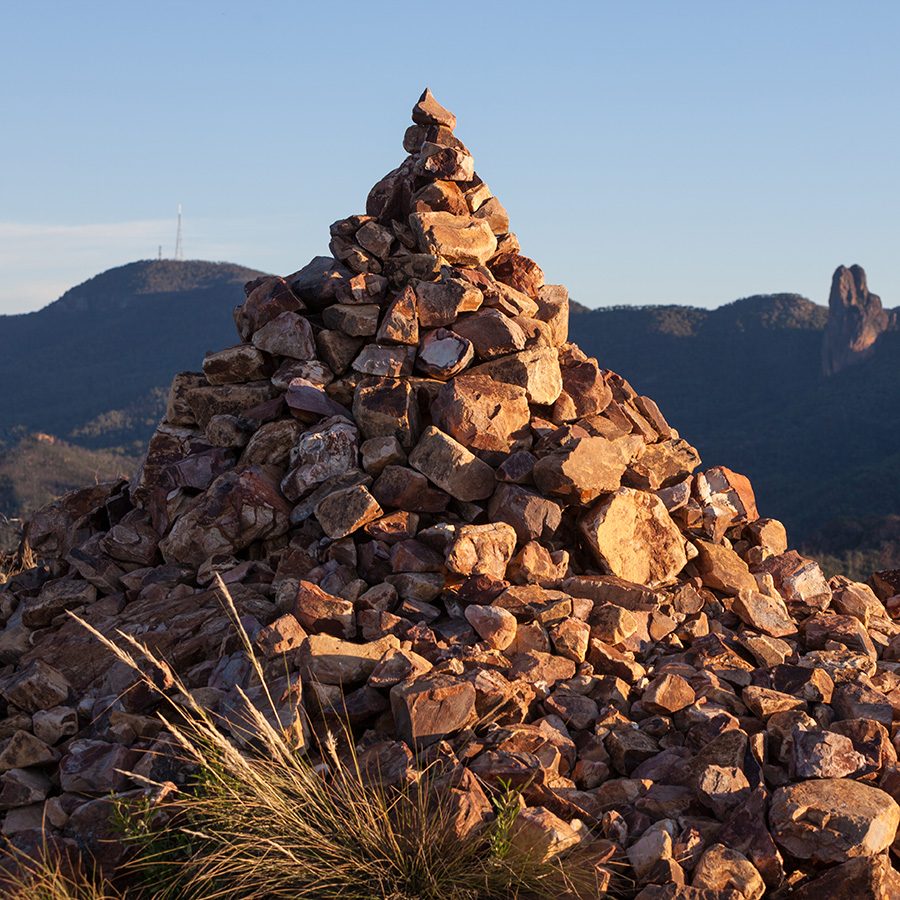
(427, 710)
(763, 613)
(482, 550)
(667, 694)
(288, 334)
(38, 686)
(325, 451)
(236, 364)
(355, 320)
(723, 570)
(428, 111)
(535, 370)
(532, 516)
(492, 333)
(386, 407)
(400, 323)
(539, 834)
(483, 414)
(443, 354)
(237, 509)
(330, 660)
(452, 467)
(460, 240)
(863, 878)
(822, 754)
(722, 869)
(518, 272)
(633, 537)
(494, 625)
(588, 467)
(440, 303)
(799, 580)
(833, 820)
(345, 511)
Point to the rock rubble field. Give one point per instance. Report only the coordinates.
(441, 519)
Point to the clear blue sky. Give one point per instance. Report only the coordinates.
(647, 152)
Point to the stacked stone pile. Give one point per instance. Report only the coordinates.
(484, 549)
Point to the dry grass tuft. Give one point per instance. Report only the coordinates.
(12, 564)
(49, 875)
(293, 818)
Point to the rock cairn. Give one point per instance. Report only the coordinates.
(481, 547)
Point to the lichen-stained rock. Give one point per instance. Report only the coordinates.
(663, 464)
(483, 414)
(428, 111)
(322, 613)
(452, 467)
(584, 389)
(553, 308)
(238, 508)
(272, 296)
(325, 451)
(460, 240)
(833, 820)
(37, 687)
(861, 878)
(518, 272)
(482, 550)
(722, 869)
(799, 580)
(727, 499)
(633, 537)
(326, 659)
(400, 322)
(355, 320)
(430, 708)
(535, 370)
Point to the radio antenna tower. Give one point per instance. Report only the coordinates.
(179, 250)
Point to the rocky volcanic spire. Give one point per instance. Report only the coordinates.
(440, 518)
(856, 320)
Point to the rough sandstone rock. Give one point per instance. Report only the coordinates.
(460, 240)
(633, 537)
(482, 413)
(833, 820)
(452, 467)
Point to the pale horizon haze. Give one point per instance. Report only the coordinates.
(646, 152)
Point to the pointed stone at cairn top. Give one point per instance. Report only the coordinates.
(429, 112)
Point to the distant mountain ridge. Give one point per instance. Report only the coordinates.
(128, 285)
(106, 350)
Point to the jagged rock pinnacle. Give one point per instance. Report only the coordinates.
(856, 320)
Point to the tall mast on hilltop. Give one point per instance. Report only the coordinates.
(179, 250)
